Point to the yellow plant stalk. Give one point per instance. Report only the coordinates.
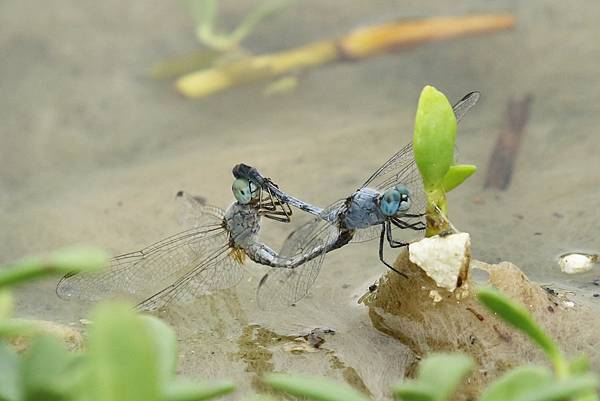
(362, 43)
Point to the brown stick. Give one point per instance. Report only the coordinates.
(362, 43)
(501, 163)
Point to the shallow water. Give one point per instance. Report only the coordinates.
(93, 151)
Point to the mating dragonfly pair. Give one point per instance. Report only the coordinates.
(210, 255)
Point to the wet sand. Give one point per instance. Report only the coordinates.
(93, 151)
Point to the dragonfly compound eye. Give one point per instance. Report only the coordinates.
(241, 191)
(390, 202)
(404, 203)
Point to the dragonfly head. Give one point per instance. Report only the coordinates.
(242, 191)
(394, 201)
(242, 170)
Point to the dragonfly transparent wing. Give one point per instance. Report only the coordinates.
(282, 287)
(401, 169)
(194, 212)
(135, 275)
(139, 274)
(464, 105)
(220, 267)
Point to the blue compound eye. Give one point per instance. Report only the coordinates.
(404, 194)
(390, 202)
(241, 191)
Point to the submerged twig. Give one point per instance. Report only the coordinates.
(362, 43)
(501, 163)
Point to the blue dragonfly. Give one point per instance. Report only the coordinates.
(391, 200)
(206, 257)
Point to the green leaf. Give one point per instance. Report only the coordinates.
(259, 13)
(45, 370)
(438, 376)
(6, 305)
(10, 366)
(562, 390)
(81, 259)
(589, 395)
(313, 388)
(415, 391)
(579, 365)
(165, 345)
(434, 137)
(456, 175)
(123, 361)
(185, 391)
(517, 382)
(520, 318)
(204, 12)
(16, 328)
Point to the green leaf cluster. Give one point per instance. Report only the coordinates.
(440, 374)
(133, 357)
(129, 356)
(205, 13)
(433, 146)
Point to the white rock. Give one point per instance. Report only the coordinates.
(444, 259)
(573, 263)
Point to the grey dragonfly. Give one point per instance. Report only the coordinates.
(391, 200)
(206, 257)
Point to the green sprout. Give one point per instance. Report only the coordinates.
(63, 261)
(433, 145)
(205, 13)
(217, 46)
(133, 357)
(572, 379)
(60, 262)
(128, 357)
(440, 374)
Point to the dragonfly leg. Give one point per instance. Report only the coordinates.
(381, 243)
(285, 207)
(414, 215)
(268, 203)
(276, 215)
(418, 226)
(272, 206)
(393, 243)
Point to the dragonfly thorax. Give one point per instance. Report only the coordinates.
(243, 224)
(363, 209)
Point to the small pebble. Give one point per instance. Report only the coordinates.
(443, 258)
(573, 263)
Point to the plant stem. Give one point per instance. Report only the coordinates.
(359, 44)
(436, 212)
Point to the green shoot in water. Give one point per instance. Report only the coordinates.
(433, 145)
